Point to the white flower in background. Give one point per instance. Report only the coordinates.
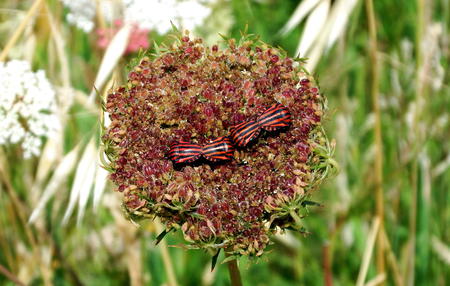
(81, 13)
(147, 14)
(157, 14)
(27, 107)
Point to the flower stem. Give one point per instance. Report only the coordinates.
(10, 276)
(378, 168)
(235, 275)
(168, 265)
(296, 218)
(12, 41)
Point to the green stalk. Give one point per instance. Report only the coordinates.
(168, 265)
(296, 218)
(15, 37)
(420, 101)
(5, 272)
(379, 194)
(20, 209)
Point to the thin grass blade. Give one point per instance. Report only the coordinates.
(62, 171)
(112, 55)
(299, 14)
(313, 27)
(88, 182)
(51, 153)
(441, 250)
(101, 176)
(344, 9)
(78, 182)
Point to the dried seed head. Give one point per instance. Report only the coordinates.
(192, 93)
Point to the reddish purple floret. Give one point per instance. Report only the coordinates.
(194, 93)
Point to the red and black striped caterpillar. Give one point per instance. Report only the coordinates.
(220, 149)
(275, 117)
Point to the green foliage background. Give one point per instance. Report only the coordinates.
(416, 191)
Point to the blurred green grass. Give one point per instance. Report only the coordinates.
(96, 252)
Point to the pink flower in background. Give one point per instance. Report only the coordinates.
(138, 37)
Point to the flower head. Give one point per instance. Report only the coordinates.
(81, 13)
(157, 14)
(27, 107)
(194, 93)
(146, 15)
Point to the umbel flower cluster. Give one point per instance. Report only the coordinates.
(28, 109)
(147, 15)
(189, 92)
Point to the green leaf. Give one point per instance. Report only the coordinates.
(311, 203)
(197, 216)
(226, 38)
(230, 258)
(174, 28)
(161, 236)
(156, 47)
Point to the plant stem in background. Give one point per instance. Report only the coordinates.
(328, 275)
(20, 210)
(378, 136)
(12, 41)
(235, 275)
(166, 257)
(368, 251)
(10, 276)
(392, 262)
(417, 146)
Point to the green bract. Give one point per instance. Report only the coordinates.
(193, 93)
